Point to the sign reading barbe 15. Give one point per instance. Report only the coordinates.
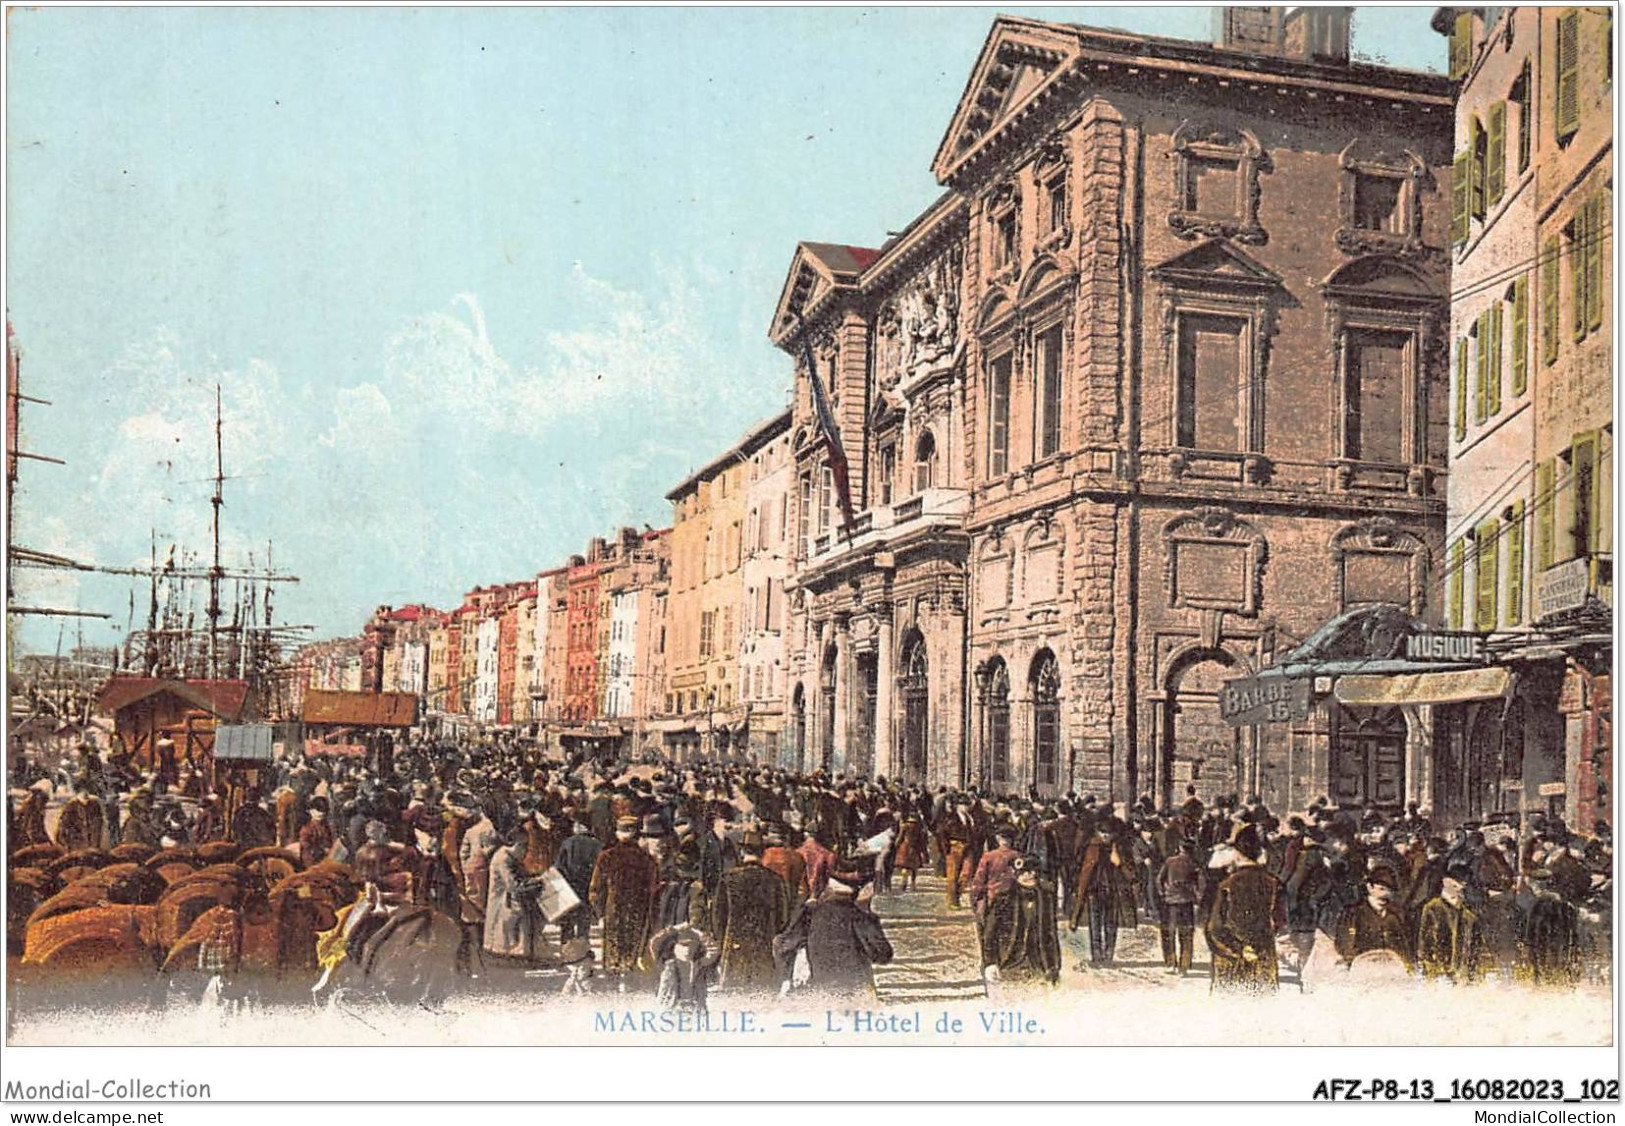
(1264, 699)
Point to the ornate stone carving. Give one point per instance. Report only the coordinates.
(1198, 144)
(1362, 161)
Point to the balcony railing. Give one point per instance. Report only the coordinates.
(880, 523)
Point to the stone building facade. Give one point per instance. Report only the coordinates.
(766, 566)
(1125, 412)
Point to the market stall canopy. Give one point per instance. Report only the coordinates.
(224, 699)
(1455, 686)
(360, 709)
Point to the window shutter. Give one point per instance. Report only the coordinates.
(1460, 187)
(1461, 45)
(1520, 336)
(1495, 176)
(1568, 74)
(1457, 561)
(1461, 388)
(1482, 367)
(1492, 403)
(1577, 270)
(1545, 513)
(1486, 553)
(1596, 236)
(1549, 258)
(1515, 566)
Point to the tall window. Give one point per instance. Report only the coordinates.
(1487, 399)
(1545, 514)
(888, 472)
(1048, 349)
(1515, 555)
(1526, 119)
(1486, 581)
(1374, 415)
(1046, 692)
(996, 707)
(998, 433)
(1568, 75)
(1004, 239)
(914, 687)
(1057, 204)
(804, 517)
(925, 462)
(1210, 366)
(1583, 495)
(826, 500)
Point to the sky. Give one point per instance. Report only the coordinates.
(476, 285)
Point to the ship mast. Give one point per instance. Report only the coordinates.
(215, 572)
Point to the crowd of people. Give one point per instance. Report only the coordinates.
(755, 879)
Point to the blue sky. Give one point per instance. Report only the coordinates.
(477, 284)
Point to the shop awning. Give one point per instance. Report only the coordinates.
(1456, 686)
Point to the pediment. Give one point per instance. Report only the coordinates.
(1020, 58)
(817, 270)
(1216, 263)
(1382, 276)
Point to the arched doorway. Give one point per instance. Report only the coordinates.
(995, 685)
(798, 727)
(1198, 747)
(1045, 686)
(913, 688)
(826, 689)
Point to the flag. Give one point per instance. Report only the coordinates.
(832, 438)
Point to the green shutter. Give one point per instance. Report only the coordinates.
(1545, 514)
(1596, 236)
(1568, 74)
(1461, 388)
(1495, 175)
(1581, 228)
(1457, 562)
(1515, 566)
(1481, 370)
(1520, 336)
(1492, 402)
(1549, 316)
(1486, 553)
(1583, 465)
(1461, 45)
(1461, 179)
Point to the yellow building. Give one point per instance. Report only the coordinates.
(705, 607)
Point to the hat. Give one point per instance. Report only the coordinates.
(1383, 875)
(654, 826)
(626, 824)
(845, 881)
(1248, 843)
(751, 841)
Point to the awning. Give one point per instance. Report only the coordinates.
(1456, 686)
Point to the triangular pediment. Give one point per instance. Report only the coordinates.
(1382, 276)
(1020, 58)
(817, 270)
(1216, 262)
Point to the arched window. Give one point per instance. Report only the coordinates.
(925, 462)
(996, 723)
(914, 688)
(1045, 684)
(798, 709)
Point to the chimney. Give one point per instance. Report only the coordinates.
(1310, 33)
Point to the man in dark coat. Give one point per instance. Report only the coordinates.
(253, 826)
(1180, 884)
(843, 940)
(752, 906)
(1099, 887)
(575, 861)
(1020, 936)
(1377, 922)
(79, 825)
(1551, 933)
(624, 883)
(1248, 911)
(1449, 939)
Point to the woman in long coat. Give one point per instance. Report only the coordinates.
(911, 853)
(510, 911)
(1020, 935)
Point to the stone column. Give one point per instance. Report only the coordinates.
(815, 734)
(844, 681)
(885, 696)
(1419, 755)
